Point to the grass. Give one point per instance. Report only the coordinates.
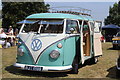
(105, 68)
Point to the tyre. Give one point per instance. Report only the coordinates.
(75, 67)
(115, 47)
(94, 60)
(117, 73)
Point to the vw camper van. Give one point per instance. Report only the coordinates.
(58, 41)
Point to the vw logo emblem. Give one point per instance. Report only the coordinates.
(36, 44)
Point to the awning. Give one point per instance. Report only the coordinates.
(26, 22)
(111, 26)
(41, 22)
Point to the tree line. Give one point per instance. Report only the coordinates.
(13, 12)
(114, 15)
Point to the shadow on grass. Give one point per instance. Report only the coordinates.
(113, 73)
(13, 70)
(113, 48)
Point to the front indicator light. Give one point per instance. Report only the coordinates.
(59, 45)
(54, 54)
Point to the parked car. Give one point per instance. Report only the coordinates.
(116, 41)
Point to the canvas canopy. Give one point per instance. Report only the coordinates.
(110, 31)
(111, 26)
(41, 22)
(26, 21)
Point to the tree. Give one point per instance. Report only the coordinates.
(114, 16)
(13, 12)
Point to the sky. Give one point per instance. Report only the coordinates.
(99, 10)
(81, 0)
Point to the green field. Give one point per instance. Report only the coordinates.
(105, 68)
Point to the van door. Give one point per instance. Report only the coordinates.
(97, 35)
(86, 39)
(72, 47)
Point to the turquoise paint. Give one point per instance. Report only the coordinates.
(67, 53)
(26, 58)
(60, 16)
(55, 16)
(46, 60)
(70, 50)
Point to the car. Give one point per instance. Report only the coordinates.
(116, 41)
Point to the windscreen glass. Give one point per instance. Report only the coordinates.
(44, 26)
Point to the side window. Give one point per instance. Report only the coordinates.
(97, 27)
(92, 26)
(86, 29)
(86, 39)
(72, 27)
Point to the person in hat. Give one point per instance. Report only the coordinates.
(10, 31)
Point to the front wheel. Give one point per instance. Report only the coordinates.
(75, 67)
(117, 73)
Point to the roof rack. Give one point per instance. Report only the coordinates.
(70, 10)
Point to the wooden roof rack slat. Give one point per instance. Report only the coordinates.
(70, 10)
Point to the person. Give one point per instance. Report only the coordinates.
(10, 31)
(2, 34)
(2, 37)
(102, 39)
(3, 41)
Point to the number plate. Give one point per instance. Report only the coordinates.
(33, 68)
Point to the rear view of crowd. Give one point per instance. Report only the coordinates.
(7, 39)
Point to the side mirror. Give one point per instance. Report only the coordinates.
(72, 30)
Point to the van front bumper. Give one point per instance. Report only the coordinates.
(43, 68)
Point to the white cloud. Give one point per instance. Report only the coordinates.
(81, 0)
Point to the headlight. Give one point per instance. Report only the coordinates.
(115, 41)
(54, 54)
(20, 51)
